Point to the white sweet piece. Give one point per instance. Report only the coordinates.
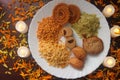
(62, 40)
(23, 52)
(109, 62)
(115, 31)
(108, 11)
(21, 27)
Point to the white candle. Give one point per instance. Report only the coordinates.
(115, 31)
(23, 52)
(21, 27)
(109, 62)
(109, 10)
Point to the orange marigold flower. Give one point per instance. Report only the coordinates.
(41, 3)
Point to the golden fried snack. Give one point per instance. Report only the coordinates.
(61, 13)
(79, 52)
(74, 13)
(93, 45)
(76, 63)
(48, 30)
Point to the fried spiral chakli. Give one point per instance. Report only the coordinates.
(61, 13)
(74, 13)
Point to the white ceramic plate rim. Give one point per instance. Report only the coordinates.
(92, 62)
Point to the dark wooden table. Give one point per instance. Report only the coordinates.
(12, 67)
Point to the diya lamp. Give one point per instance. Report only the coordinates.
(109, 62)
(109, 10)
(115, 31)
(21, 27)
(23, 52)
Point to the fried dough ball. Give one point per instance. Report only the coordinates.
(61, 13)
(74, 13)
(93, 45)
(76, 63)
(79, 52)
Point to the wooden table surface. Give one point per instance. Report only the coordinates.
(12, 67)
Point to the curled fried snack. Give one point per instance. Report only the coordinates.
(61, 13)
(74, 13)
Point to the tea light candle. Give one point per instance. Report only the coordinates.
(115, 31)
(109, 10)
(109, 62)
(21, 27)
(23, 52)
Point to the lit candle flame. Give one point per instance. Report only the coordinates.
(117, 31)
(109, 62)
(23, 52)
(21, 27)
(109, 10)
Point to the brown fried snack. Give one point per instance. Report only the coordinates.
(67, 32)
(74, 13)
(76, 63)
(70, 42)
(79, 52)
(61, 13)
(93, 45)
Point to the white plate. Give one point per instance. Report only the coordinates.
(92, 62)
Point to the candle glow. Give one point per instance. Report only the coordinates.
(23, 52)
(21, 27)
(115, 31)
(109, 10)
(109, 62)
